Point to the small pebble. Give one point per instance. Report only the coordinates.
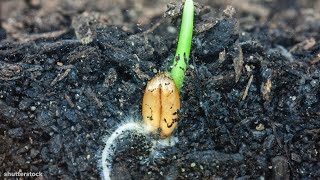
(171, 29)
(248, 68)
(193, 164)
(260, 127)
(154, 70)
(33, 108)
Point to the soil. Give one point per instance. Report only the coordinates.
(73, 71)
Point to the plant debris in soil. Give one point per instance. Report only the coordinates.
(250, 103)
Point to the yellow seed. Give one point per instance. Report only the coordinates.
(161, 103)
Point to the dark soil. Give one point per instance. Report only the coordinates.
(73, 71)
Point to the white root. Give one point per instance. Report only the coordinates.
(135, 127)
(108, 151)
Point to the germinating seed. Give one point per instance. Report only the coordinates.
(161, 103)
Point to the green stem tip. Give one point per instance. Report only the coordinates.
(181, 60)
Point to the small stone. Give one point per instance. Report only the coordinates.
(171, 29)
(222, 56)
(260, 127)
(154, 70)
(248, 68)
(183, 170)
(33, 108)
(193, 164)
(293, 98)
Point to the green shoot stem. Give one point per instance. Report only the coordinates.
(181, 60)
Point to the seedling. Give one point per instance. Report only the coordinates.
(181, 60)
(161, 101)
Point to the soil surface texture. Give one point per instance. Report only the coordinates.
(72, 71)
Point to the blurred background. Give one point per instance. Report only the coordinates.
(23, 17)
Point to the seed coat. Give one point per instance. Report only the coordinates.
(161, 103)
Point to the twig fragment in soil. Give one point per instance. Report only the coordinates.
(313, 131)
(266, 89)
(152, 28)
(238, 61)
(304, 45)
(48, 35)
(284, 52)
(245, 93)
(23, 37)
(69, 100)
(60, 77)
(221, 80)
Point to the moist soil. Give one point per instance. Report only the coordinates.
(71, 72)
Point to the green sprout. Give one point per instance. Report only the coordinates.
(181, 60)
